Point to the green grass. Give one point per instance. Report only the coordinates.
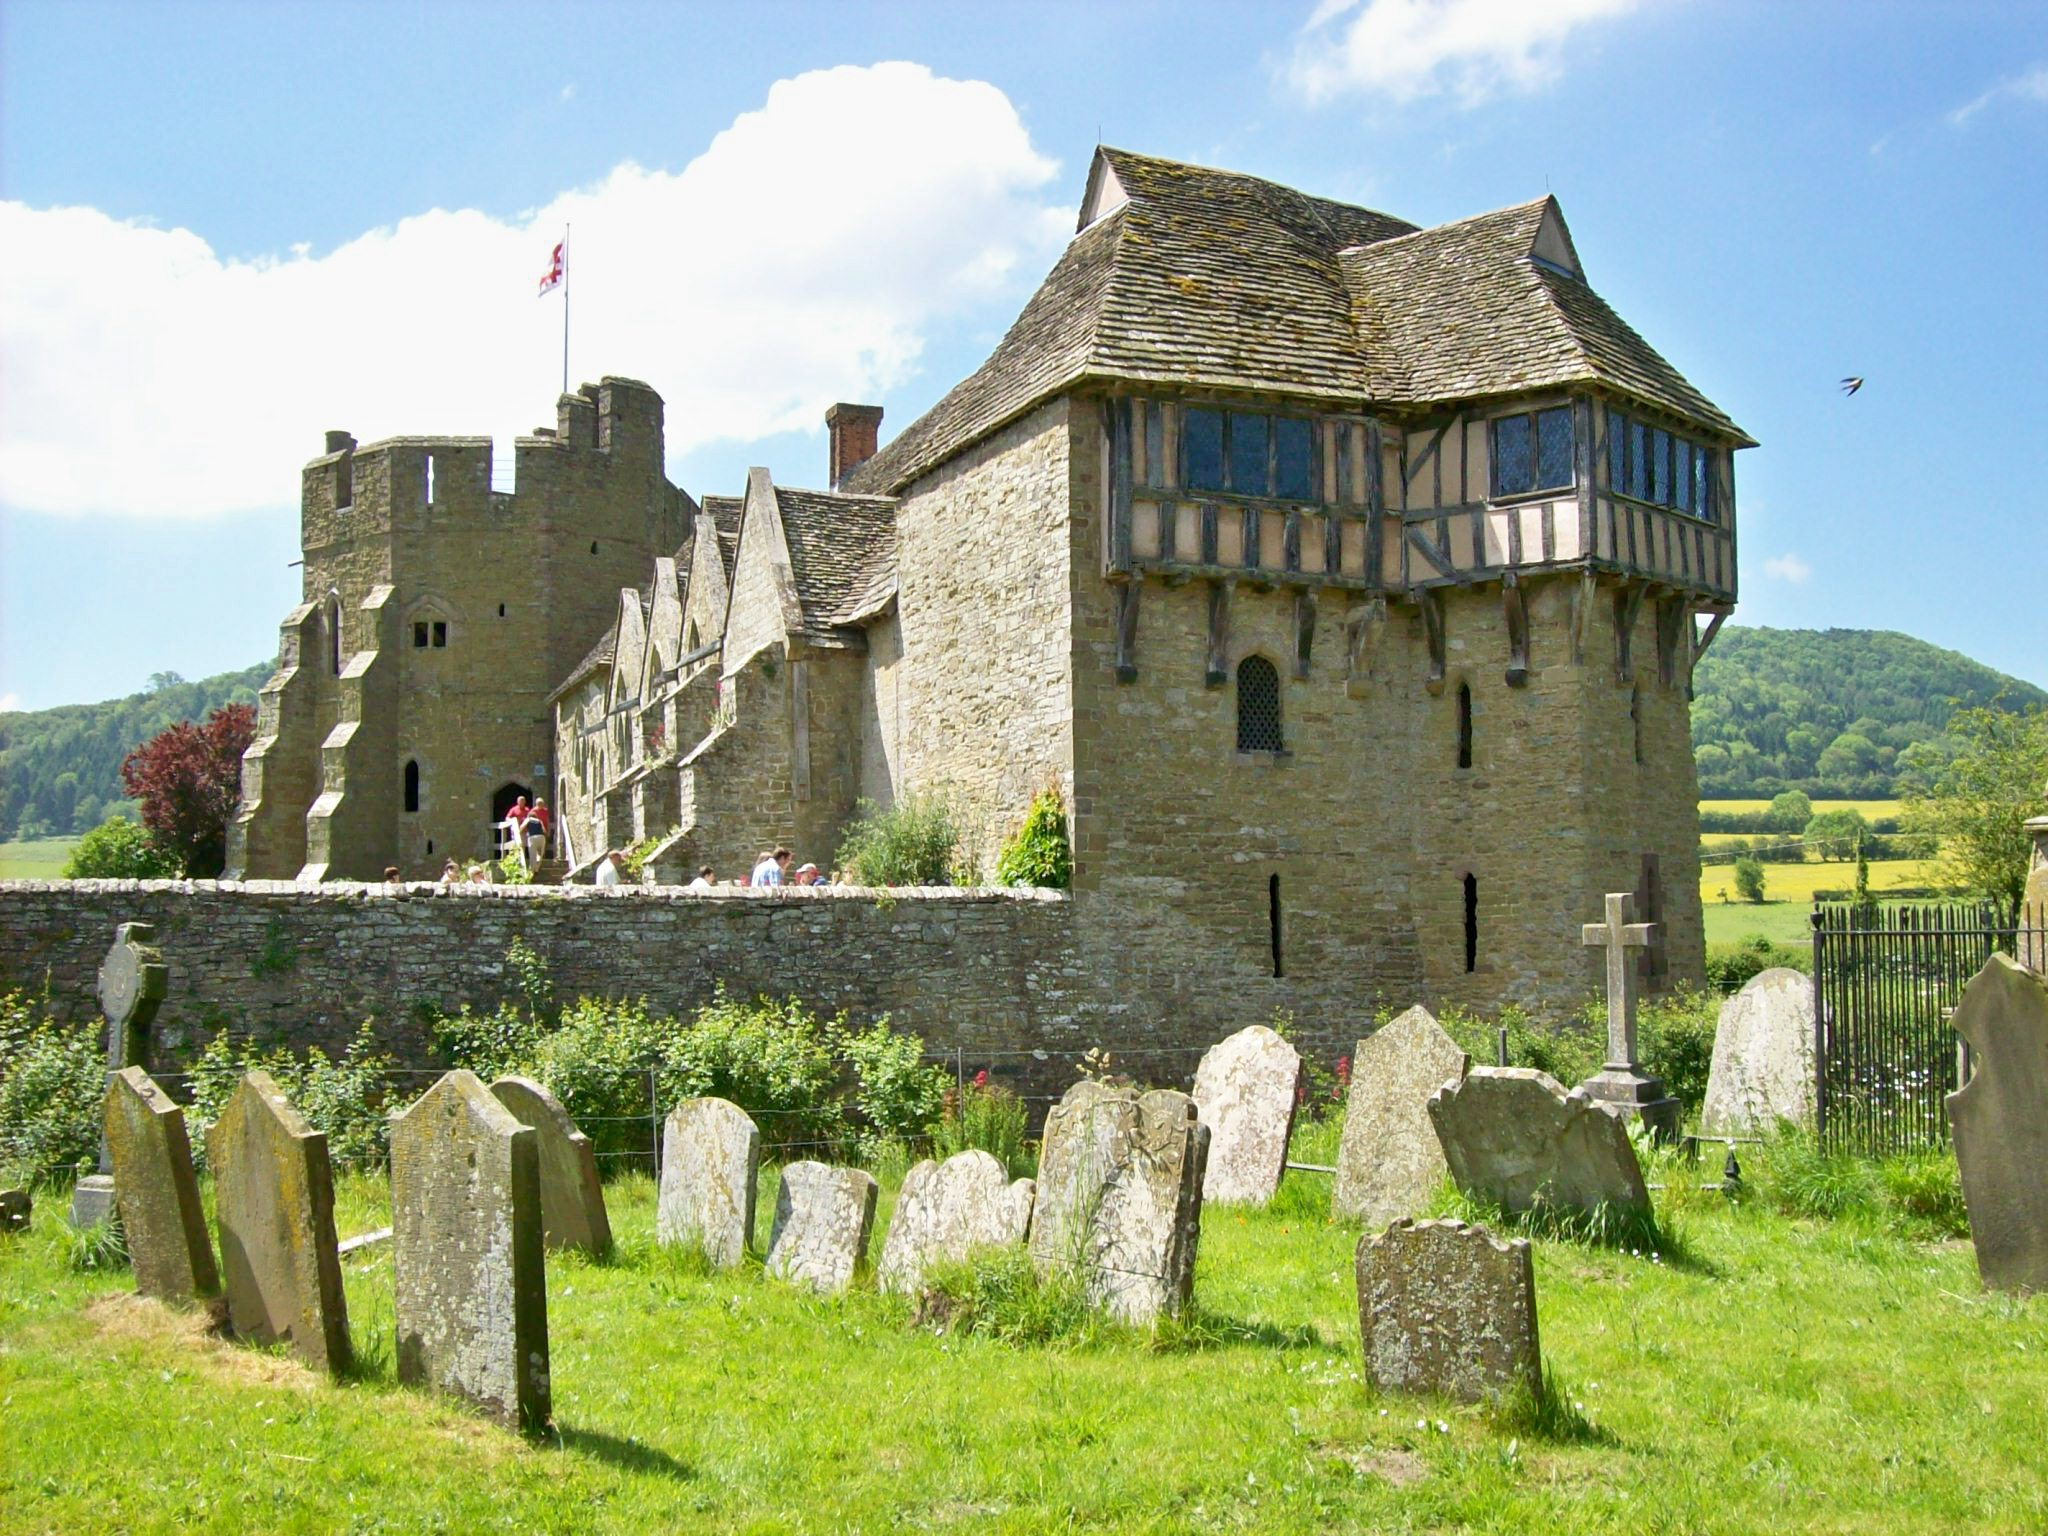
(41, 858)
(1782, 922)
(1795, 1374)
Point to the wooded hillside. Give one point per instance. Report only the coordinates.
(60, 769)
(1838, 713)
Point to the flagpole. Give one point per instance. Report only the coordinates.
(565, 309)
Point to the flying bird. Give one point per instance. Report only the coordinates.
(1850, 386)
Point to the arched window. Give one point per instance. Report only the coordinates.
(1471, 923)
(412, 785)
(1464, 725)
(1258, 706)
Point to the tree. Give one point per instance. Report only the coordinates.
(1789, 812)
(1978, 801)
(1749, 879)
(117, 849)
(188, 779)
(1835, 834)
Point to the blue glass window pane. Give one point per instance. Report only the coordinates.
(1155, 440)
(1638, 460)
(1201, 447)
(1683, 454)
(1660, 465)
(1514, 459)
(1248, 454)
(1617, 451)
(1293, 468)
(1553, 448)
(1703, 483)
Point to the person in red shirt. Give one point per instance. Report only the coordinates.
(535, 831)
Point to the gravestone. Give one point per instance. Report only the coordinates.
(1389, 1161)
(2032, 948)
(470, 1294)
(710, 1163)
(823, 1216)
(1512, 1133)
(1119, 1197)
(945, 1211)
(1999, 1119)
(273, 1199)
(1763, 1069)
(1245, 1094)
(1622, 1083)
(156, 1191)
(16, 1207)
(1445, 1307)
(133, 982)
(572, 1212)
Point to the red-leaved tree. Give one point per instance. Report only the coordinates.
(189, 779)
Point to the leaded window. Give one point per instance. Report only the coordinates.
(1247, 453)
(1201, 445)
(1650, 464)
(1293, 459)
(1258, 706)
(1532, 451)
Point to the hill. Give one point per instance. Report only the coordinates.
(1838, 713)
(60, 769)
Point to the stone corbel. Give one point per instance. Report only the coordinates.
(1674, 631)
(1628, 602)
(1515, 608)
(1583, 595)
(1363, 627)
(1431, 601)
(1304, 630)
(1216, 671)
(1127, 632)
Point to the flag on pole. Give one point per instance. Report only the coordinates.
(557, 265)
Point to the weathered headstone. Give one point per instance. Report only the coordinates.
(823, 1216)
(156, 1191)
(1389, 1161)
(470, 1288)
(1622, 1083)
(1446, 1307)
(1763, 1068)
(1511, 1134)
(946, 1211)
(133, 982)
(273, 1204)
(16, 1207)
(1999, 1119)
(2033, 936)
(572, 1209)
(1245, 1093)
(710, 1162)
(1119, 1197)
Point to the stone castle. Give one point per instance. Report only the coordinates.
(1346, 578)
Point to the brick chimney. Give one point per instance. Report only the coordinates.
(854, 429)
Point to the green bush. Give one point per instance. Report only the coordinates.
(348, 1100)
(596, 1061)
(989, 1117)
(911, 843)
(52, 1079)
(1731, 966)
(898, 1096)
(1039, 853)
(1749, 879)
(488, 1044)
(1570, 1051)
(120, 849)
(1675, 1040)
(774, 1060)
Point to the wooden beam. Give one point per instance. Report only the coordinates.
(1217, 669)
(1674, 631)
(1515, 607)
(1120, 482)
(1428, 453)
(1429, 552)
(1583, 594)
(1127, 631)
(1363, 627)
(1432, 603)
(1304, 630)
(1628, 603)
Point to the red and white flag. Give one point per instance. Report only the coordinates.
(557, 265)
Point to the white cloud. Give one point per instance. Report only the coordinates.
(1787, 568)
(1405, 49)
(2030, 86)
(801, 258)
(9, 702)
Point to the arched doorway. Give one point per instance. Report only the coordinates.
(501, 802)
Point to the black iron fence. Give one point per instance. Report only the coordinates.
(1885, 982)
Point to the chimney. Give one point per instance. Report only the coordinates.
(854, 430)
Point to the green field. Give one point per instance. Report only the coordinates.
(1782, 922)
(39, 859)
(1773, 1374)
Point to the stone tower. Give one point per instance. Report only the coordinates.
(408, 706)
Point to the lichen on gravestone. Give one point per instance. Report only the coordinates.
(572, 1205)
(156, 1190)
(1245, 1093)
(1389, 1160)
(1446, 1307)
(823, 1216)
(710, 1165)
(1512, 1135)
(945, 1212)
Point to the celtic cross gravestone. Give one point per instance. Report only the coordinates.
(133, 982)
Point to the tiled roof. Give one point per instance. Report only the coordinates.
(597, 658)
(1210, 278)
(840, 549)
(725, 516)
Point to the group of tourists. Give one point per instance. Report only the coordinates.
(526, 828)
(772, 868)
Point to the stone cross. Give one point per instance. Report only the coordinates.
(1618, 935)
(133, 982)
(1622, 1084)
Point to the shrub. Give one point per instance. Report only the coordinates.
(119, 849)
(52, 1081)
(488, 1044)
(987, 1116)
(774, 1060)
(897, 1094)
(596, 1060)
(1039, 853)
(1675, 1040)
(1571, 1051)
(1749, 879)
(347, 1100)
(1731, 966)
(910, 843)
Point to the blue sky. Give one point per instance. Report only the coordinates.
(232, 227)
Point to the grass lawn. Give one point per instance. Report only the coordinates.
(1782, 922)
(41, 858)
(1789, 1375)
